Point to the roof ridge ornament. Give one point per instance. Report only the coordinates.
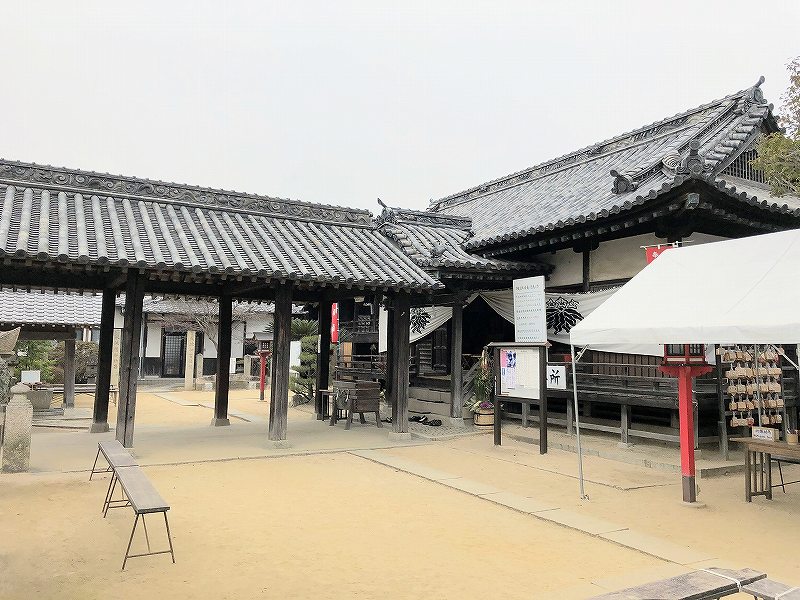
(754, 95)
(694, 163)
(623, 181)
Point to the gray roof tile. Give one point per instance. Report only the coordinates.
(70, 216)
(47, 308)
(580, 186)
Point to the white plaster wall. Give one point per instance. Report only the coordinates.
(568, 267)
(615, 259)
(619, 259)
(257, 323)
(209, 350)
(153, 348)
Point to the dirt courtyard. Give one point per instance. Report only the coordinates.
(320, 526)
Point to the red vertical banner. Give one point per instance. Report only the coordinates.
(653, 252)
(335, 323)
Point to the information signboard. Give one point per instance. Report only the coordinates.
(556, 377)
(519, 372)
(530, 313)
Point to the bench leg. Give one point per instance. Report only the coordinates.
(169, 538)
(780, 472)
(130, 541)
(361, 418)
(111, 487)
(378, 419)
(146, 537)
(109, 491)
(94, 466)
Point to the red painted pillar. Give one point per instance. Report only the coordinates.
(685, 374)
(686, 417)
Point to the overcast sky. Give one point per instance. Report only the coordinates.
(343, 102)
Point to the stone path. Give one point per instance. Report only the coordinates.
(572, 519)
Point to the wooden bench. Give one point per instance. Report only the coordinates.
(356, 397)
(84, 388)
(137, 492)
(705, 584)
(766, 589)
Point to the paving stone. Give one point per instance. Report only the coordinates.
(520, 503)
(581, 522)
(404, 465)
(657, 547)
(471, 486)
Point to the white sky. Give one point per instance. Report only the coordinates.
(342, 102)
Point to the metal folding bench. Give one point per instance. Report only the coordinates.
(143, 498)
(137, 492)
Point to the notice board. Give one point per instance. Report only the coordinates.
(530, 313)
(519, 372)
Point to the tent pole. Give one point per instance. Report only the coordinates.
(577, 423)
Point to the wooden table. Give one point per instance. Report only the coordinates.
(757, 479)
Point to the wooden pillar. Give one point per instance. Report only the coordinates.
(279, 404)
(323, 356)
(401, 350)
(104, 359)
(188, 371)
(223, 382)
(129, 360)
(586, 271)
(456, 375)
(69, 372)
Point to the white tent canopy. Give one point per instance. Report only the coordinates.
(737, 291)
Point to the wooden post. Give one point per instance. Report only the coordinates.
(69, 372)
(104, 359)
(323, 356)
(498, 434)
(129, 361)
(624, 424)
(223, 382)
(543, 399)
(401, 349)
(279, 405)
(456, 374)
(188, 371)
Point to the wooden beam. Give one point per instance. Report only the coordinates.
(223, 379)
(400, 361)
(69, 372)
(129, 361)
(104, 360)
(586, 270)
(279, 405)
(323, 356)
(456, 374)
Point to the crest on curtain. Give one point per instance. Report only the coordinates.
(419, 319)
(562, 314)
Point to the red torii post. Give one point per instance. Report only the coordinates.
(686, 361)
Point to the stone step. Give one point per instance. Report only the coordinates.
(429, 395)
(425, 407)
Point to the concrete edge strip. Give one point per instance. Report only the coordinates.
(374, 456)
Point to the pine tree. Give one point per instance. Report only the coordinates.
(304, 381)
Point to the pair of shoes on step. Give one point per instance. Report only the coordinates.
(425, 420)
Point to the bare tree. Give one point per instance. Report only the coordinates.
(203, 315)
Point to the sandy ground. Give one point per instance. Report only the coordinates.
(762, 534)
(324, 526)
(286, 524)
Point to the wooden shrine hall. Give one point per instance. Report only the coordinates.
(63, 229)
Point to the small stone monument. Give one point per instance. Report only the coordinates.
(18, 428)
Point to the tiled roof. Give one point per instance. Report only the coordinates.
(436, 242)
(618, 174)
(64, 216)
(36, 308)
